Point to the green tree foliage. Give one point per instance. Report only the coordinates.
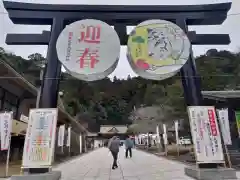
(111, 102)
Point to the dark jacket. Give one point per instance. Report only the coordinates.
(114, 144)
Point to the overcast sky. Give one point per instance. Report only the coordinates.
(230, 26)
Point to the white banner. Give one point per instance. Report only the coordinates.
(224, 125)
(40, 138)
(176, 132)
(24, 118)
(6, 128)
(165, 138)
(205, 134)
(61, 132)
(136, 140)
(69, 137)
(80, 143)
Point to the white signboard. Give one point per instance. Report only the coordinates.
(6, 128)
(205, 134)
(157, 49)
(40, 138)
(24, 118)
(224, 125)
(89, 49)
(165, 138)
(61, 133)
(176, 132)
(69, 137)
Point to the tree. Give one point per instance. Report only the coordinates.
(2, 50)
(108, 102)
(37, 59)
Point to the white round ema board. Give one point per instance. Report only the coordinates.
(157, 49)
(88, 49)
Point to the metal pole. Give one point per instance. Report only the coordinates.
(40, 87)
(8, 156)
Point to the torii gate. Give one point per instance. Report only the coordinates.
(119, 16)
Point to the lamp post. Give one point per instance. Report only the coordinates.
(40, 85)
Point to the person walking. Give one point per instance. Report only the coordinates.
(128, 146)
(113, 146)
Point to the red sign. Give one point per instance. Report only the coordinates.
(91, 35)
(212, 121)
(88, 58)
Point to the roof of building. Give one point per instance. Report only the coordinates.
(112, 129)
(9, 72)
(92, 134)
(23, 82)
(32, 89)
(221, 95)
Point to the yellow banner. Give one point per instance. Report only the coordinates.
(237, 114)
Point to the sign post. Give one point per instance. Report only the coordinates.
(206, 135)
(6, 129)
(225, 131)
(89, 49)
(157, 49)
(40, 138)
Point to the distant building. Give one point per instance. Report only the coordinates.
(107, 131)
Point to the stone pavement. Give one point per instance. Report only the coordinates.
(143, 166)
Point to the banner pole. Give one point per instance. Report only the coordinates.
(176, 134)
(178, 150)
(69, 138)
(8, 156)
(222, 140)
(166, 150)
(228, 156)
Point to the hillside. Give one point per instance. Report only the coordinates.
(111, 102)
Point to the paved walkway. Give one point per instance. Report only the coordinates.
(143, 166)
